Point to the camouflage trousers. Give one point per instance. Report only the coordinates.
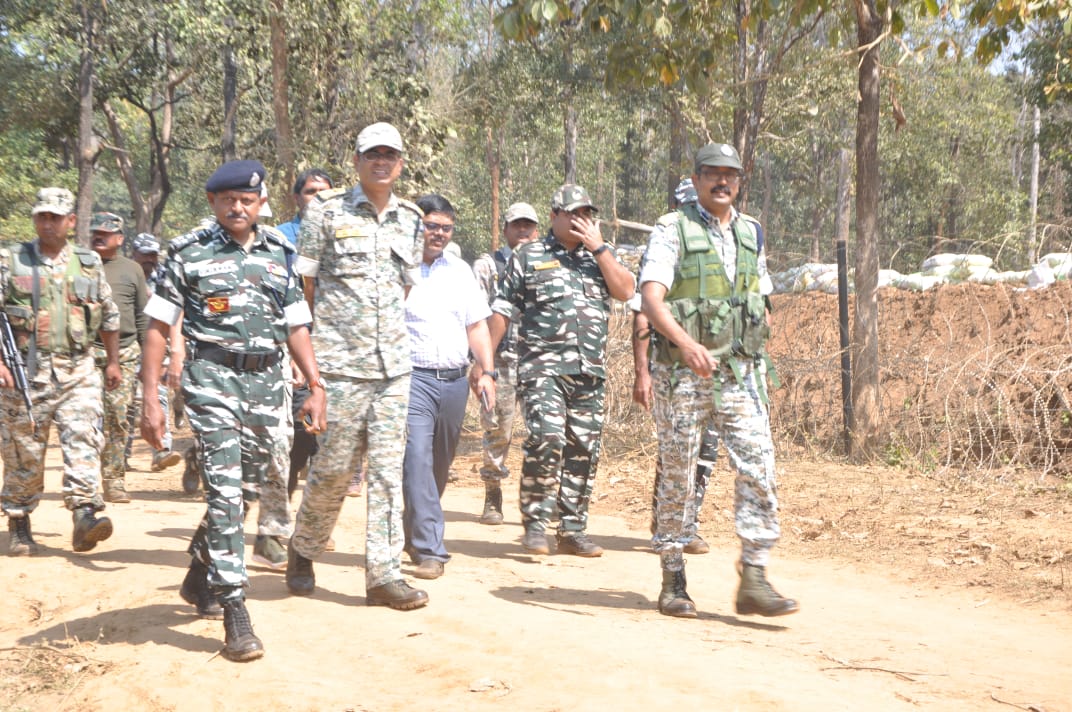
(117, 407)
(364, 417)
(564, 418)
(234, 416)
(705, 464)
(498, 423)
(273, 505)
(684, 408)
(67, 391)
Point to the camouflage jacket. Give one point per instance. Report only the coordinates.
(487, 272)
(242, 302)
(363, 263)
(564, 304)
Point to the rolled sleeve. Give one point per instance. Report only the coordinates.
(298, 314)
(307, 267)
(162, 310)
(660, 259)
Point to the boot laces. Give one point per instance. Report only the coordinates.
(22, 529)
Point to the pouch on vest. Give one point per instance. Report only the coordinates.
(22, 323)
(754, 328)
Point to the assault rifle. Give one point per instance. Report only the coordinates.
(13, 360)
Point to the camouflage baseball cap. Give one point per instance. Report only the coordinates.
(570, 197)
(145, 243)
(105, 222)
(685, 192)
(520, 211)
(718, 155)
(58, 201)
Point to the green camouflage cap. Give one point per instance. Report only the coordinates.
(718, 155)
(570, 197)
(57, 201)
(105, 222)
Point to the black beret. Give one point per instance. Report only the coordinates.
(243, 176)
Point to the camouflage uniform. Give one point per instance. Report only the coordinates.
(130, 294)
(498, 423)
(732, 403)
(66, 386)
(363, 264)
(245, 304)
(564, 303)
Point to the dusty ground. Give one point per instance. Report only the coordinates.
(912, 597)
(921, 587)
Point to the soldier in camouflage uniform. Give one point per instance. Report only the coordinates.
(562, 285)
(704, 287)
(57, 300)
(642, 396)
(520, 226)
(231, 286)
(130, 295)
(360, 252)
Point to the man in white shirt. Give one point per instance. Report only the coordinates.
(446, 317)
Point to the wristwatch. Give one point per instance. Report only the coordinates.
(494, 373)
(600, 250)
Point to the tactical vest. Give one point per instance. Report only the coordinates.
(730, 319)
(69, 311)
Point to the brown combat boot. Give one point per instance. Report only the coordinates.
(20, 539)
(89, 529)
(493, 513)
(396, 594)
(755, 596)
(673, 599)
(115, 491)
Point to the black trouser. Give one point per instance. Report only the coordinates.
(305, 445)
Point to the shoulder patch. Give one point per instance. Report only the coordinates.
(411, 206)
(326, 195)
(183, 241)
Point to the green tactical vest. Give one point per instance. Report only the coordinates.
(69, 311)
(730, 319)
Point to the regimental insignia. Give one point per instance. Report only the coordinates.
(350, 232)
(551, 264)
(218, 305)
(275, 269)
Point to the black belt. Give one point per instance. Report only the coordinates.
(238, 360)
(444, 374)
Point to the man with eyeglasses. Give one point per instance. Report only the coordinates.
(705, 287)
(562, 286)
(446, 316)
(359, 253)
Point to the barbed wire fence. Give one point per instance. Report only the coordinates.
(975, 407)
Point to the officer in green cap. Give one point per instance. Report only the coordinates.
(562, 286)
(57, 301)
(127, 281)
(704, 287)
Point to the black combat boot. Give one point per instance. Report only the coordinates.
(300, 578)
(191, 474)
(673, 599)
(89, 528)
(196, 592)
(20, 539)
(756, 596)
(493, 513)
(240, 643)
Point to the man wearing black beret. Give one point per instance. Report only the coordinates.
(230, 284)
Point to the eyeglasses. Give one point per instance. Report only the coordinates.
(438, 227)
(730, 177)
(378, 157)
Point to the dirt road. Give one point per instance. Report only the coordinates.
(107, 631)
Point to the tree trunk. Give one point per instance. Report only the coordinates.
(230, 110)
(865, 346)
(1032, 235)
(284, 133)
(495, 168)
(88, 146)
(677, 149)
